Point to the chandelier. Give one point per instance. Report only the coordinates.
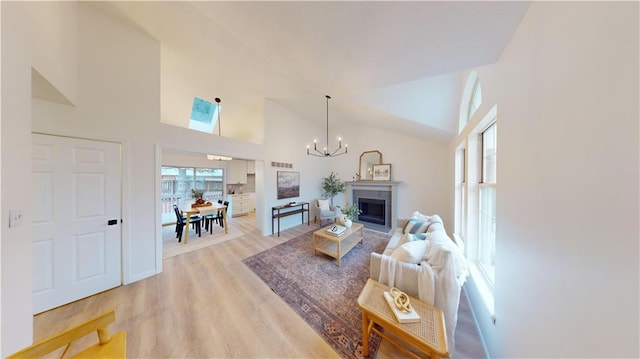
(325, 152)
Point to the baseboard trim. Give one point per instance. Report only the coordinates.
(475, 323)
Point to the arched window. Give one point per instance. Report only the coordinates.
(471, 99)
(476, 98)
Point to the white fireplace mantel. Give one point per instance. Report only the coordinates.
(384, 186)
(375, 184)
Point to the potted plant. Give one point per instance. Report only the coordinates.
(350, 212)
(331, 186)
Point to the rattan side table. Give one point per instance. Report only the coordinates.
(428, 336)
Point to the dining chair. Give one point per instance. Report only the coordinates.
(179, 223)
(181, 220)
(211, 218)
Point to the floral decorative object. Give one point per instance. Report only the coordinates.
(197, 193)
(350, 211)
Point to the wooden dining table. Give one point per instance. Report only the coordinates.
(213, 208)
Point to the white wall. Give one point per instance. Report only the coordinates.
(420, 165)
(567, 238)
(286, 135)
(182, 80)
(27, 40)
(119, 76)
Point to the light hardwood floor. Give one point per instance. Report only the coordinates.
(206, 304)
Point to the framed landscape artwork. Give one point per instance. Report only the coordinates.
(288, 184)
(382, 172)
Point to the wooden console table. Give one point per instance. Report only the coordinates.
(288, 210)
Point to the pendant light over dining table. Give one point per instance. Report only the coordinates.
(217, 99)
(325, 152)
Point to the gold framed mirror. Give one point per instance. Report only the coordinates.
(367, 160)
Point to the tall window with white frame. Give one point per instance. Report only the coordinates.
(487, 203)
(461, 194)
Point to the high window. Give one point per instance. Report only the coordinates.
(203, 115)
(476, 98)
(475, 188)
(471, 100)
(487, 203)
(460, 194)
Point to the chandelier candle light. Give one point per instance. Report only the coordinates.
(325, 152)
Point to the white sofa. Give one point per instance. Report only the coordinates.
(422, 261)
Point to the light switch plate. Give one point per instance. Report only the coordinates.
(15, 217)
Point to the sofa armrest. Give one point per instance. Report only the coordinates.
(407, 274)
(375, 260)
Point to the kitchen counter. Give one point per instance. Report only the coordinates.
(241, 204)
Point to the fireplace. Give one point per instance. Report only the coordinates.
(378, 201)
(376, 206)
(372, 210)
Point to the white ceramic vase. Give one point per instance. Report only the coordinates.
(347, 223)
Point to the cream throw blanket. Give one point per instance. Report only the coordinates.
(394, 278)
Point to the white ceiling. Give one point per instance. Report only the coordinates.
(394, 65)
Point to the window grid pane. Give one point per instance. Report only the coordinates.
(476, 99)
(489, 152)
(487, 229)
(177, 183)
(464, 211)
(487, 205)
(211, 181)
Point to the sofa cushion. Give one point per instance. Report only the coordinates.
(394, 241)
(439, 243)
(421, 217)
(416, 236)
(415, 226)
(410, 252)
(409, 237)
(435, 226)
(436, 219)
(327, 213)
(323, 204)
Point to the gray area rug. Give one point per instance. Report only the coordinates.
(322, 293)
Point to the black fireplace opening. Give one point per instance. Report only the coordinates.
(372, 210)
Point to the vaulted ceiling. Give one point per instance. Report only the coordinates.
(390, 64)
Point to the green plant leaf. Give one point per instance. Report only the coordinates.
(331, 185)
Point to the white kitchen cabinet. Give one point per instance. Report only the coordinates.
(239, 205)
(237, 172)
(252, 201)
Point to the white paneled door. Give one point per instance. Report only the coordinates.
(76, 219)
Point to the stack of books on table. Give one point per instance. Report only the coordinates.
(336, 230)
